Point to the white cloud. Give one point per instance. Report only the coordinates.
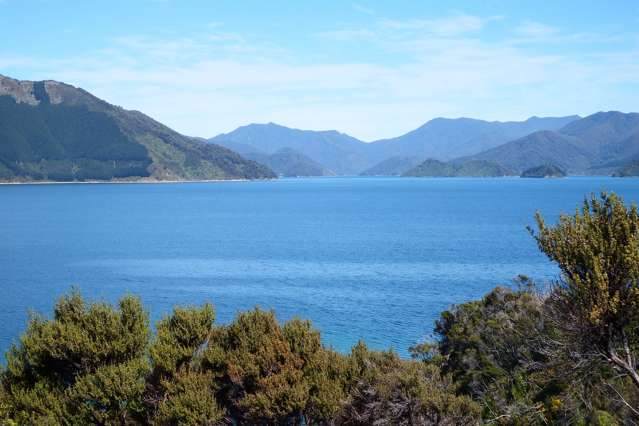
(207, 84)
(536, 29)
(448, 26)
(363, 9)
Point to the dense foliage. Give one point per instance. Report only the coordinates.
(60, 142)
(518, 356)
(97, 364)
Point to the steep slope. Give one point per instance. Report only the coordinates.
(622, 151)
(629, 170)
(393, 166)
(618, 155)
(598, 132)
(240, 148)
(54, 131)
(444, 138)
(337, 151)
(289, 163)
(543, 147)
(594, 144)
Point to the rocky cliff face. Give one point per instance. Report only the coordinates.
(20, 91)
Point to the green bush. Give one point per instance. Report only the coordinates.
(86, 365)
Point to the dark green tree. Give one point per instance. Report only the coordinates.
(388, 390)
(322, 370)
(85, 366)
(179, 391)
(491, 347)
(260, 377)
(595, 305)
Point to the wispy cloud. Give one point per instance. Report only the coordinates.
(536, 29)
(394, 29)
(363, 9)
(447, 26)
(210, 82)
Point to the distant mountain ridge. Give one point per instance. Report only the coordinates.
(54, 131)
(333, 150)
(440, 138)
(594, 144)
(445, 138)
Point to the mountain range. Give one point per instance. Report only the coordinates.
(601, 143)
(54, 131)
(336, 151)
(597, 144)
(440, 138)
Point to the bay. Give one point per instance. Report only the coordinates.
(375, 259)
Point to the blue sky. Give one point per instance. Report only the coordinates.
(370, 69)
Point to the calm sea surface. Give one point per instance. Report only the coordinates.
(365, 258)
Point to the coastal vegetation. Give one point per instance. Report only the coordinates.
(393, 166)
(434, 168)
(543, 171)
(521, 355)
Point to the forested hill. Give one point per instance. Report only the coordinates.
(598, 144)
(57, 132)
(435, 168)
(441, 138)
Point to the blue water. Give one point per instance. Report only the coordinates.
(365, 258)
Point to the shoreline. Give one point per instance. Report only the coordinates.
(122, 182)
(155, 181)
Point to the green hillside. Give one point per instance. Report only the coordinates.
(596, 144)
(53, 131)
